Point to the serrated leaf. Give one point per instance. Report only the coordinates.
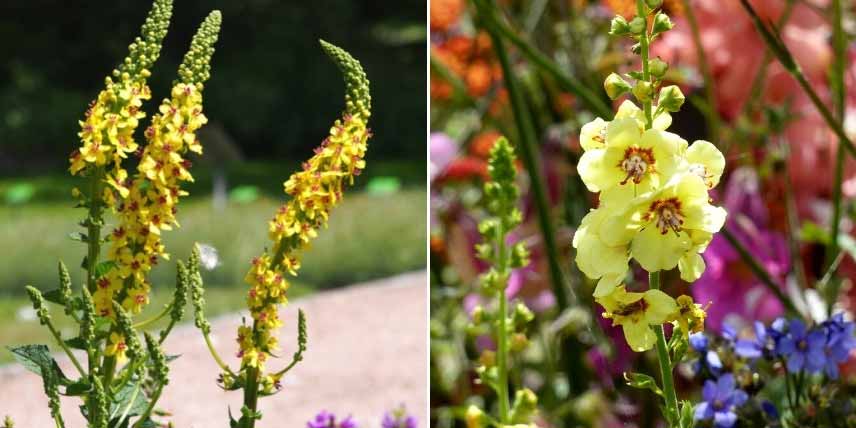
(53, 296)
(80, 387)
(37, 359)
(76, 343)
(122, 400)
(642, 381)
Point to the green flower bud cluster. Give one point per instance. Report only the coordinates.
(195, 69)
(87, 321)
(644, 90)
(179, 299)
(197, 292)
(125, 326)
(144, 51)
(38, 302)
(358, 100)
(99, 399)
(159, 369)
(64, 287)
(525, 405)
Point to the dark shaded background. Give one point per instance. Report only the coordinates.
(272, 88)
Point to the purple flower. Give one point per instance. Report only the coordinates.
(840, 341)
(708, 358)
(325, 419)
(764, 343)
(802, 348)
(398, 418)
(721, 398)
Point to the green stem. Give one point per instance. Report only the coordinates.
(641, 11)
(216, 356)
(839, 43)
(528, 152)
(93, 226)
(156, 318)
(502, 329)
(712, 113)
(566, 81)
(65, 348)
(671, 396)
(785, 57)
(152, 401)
(792, 218)
(251, 396)
(759, 271)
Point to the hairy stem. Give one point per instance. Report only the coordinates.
(663, 358)
(502, 328)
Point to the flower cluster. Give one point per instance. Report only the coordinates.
(325, 419)
(314, 192)
(654, 196)
(107, 130)
(147, 204)
(398, 418)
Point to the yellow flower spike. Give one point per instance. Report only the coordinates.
(116, 347)
(706, 161)
(673, 222)
(689, 315)
(636, 313)
(595, 258)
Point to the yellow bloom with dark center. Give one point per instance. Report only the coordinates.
(690, 316)
(636, 313)
(116, 348)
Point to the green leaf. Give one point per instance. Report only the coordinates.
(642, 381)
(78, 236)
(686, 414)
(37, 359)
(76, 343)
(148, 423)
(53, 296)
(232, 422)
(122, 399)
(104, 267)
(80, 387)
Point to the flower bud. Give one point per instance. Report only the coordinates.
(638, 25)
(653, 4)
(478, 314)
(475, 417)
(525, 402)
(619, 26)
(643, 91)
(615, 86)
(671, 98)
(662, 23)
(658, 67)
(519, 342)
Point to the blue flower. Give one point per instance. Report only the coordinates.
(708, 359)
(839, 342)
(721, 398)
(802, 348)
(763, 344)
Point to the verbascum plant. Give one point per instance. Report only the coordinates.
(123, 379)
(313, 193)
(654, 208)
(506, 327)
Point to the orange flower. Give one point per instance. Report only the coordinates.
(444, 13)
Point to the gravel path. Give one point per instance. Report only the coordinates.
(368, 347)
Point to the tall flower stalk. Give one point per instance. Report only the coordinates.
(506, 327)
(654, 208)
(314, 192)
(122, 380)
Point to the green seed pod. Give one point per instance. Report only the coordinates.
(643, 91)
(615, 86)
(525, 404)
(662, 23)
(658, 67)
(671, 98)
(619, 26)
(638, 25)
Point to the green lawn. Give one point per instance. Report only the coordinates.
(369, 236)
